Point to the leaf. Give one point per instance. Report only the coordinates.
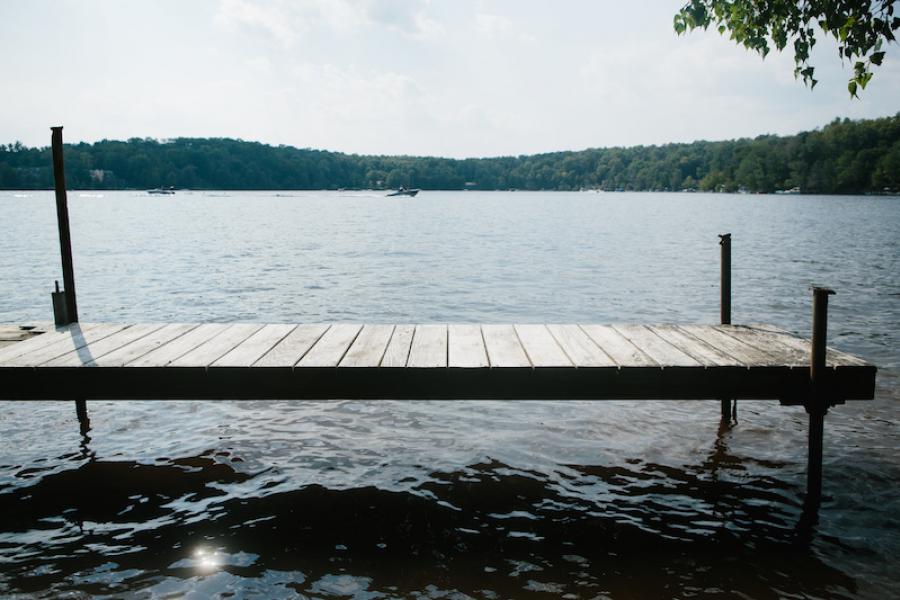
(876, 58)
(851, 87)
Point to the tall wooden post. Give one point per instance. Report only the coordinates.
(816, 402)
(725, 303)
(62, 218)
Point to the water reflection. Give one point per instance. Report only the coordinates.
(643, 530)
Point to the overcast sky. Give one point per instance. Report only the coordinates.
(436, 77)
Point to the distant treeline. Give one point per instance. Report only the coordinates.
(844, 157)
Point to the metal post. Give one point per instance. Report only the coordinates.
(725, 305)
(725, 292)
(60, 317)
(81, 412)
(816, 402)
(62, 217)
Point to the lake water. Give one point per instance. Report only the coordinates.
(345, 499)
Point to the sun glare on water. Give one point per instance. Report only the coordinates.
(206, 559)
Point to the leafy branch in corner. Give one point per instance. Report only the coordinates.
(862, 28)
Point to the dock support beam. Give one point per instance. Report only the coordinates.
(725, 310)
(817, 402)
(65, 239)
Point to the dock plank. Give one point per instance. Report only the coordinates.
(655, 347)
(503, 346)
(579, 347)
(45, 339)
(331, 347)
(618, 347)
(465, 347)
(74, 339)
(707, 355)
(179, 346)
(429, 347)
(369, 346)
(737, 349)
(541, 347)
(293, 347)
(254, 347)
(144, 345)
(217, 346)
(87, 355)
(397, 353)
(767, 337)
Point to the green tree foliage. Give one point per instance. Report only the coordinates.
(844, 157)
(862, 28)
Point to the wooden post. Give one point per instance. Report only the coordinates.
(62, 218)
(725, 304)
(816, 402)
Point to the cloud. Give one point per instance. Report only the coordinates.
(499, 27)
(271, 19)
(287, 21)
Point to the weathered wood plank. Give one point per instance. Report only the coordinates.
(369, 346)
(179, 346)
(86, 356)
(781, 353)
(541, 346)
(579, 347)
(617, 346)
(465, 347)
(664, 353)
(707, 355)
(397, 353)
(740, 351)
(144, 345)
(211, 350)
(255, 346)
(765, 337)
(44, 340)
(429, 347)
(20, 332)
(74, 340)
(293, 347)
(331, 347)
(503, 346)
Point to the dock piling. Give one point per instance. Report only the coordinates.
(81, 412)
(816, 402)
(725, 310)
(725, 286)
(62, 217)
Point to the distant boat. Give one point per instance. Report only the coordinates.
(411, 192)
(162, 191)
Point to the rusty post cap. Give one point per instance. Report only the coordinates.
(819, 290)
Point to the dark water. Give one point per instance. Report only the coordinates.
(347, 499)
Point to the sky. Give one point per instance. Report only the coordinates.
(456, 78)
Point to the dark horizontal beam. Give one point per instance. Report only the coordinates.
(789, 385)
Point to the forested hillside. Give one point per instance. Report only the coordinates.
(843, 157)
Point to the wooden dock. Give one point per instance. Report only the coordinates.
(456, 361)
(465, 361)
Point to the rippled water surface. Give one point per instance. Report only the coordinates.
(346, 499)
